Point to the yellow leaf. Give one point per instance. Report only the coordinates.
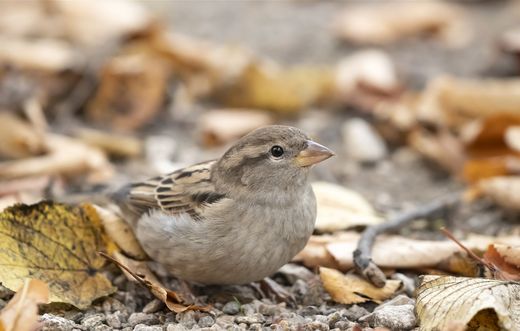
(57, 244)
(478, 303)
(350, 288)
(21, 313)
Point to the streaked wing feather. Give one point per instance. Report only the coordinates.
(185, 190)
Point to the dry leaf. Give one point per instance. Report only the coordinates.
(57, 244)
(505, 191)
(121, 233)
(113, 144)
(512, 138)
(340, 208)
(488, 303)
(266, 86)
(222, 126)
(66, 156)
(19, 139)
(50, 55)
(371, 70)
(94, 23)
(21, 313)
(391, 251)
(505, 259)
(385, 23)
(350, 288)
(132, 89)
(139, 271)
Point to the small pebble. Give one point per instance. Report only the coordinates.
(333, 318)
(355, 312)
(102, 327)
(268, 310)
(176, 327)
(363, 143)
(321, 318)
(113, 320)
(309, 311)
(187, 319)
(51, 323)
(251, 319)
(400, 317)
(153, 306)
(206, 321)
(143, 327)
(142, 318)
(397, 301)
(343, 325)
(90, 321)
(231, 308)
(318, 326)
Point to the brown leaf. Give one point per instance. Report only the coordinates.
(350, 288)
(139, 271)
(112, 144)
(505, 259)
(21, 313)
(132, 89)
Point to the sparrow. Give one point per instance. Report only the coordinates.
(234, 220)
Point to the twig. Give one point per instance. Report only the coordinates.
(362, 255)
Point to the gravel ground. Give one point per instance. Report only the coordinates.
(295, 32)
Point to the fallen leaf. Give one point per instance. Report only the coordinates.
(121, 233)
(512, 137)
(340, 208)
(350, 288)
(66, 156)
(132, 89)
(505, 259)
(392, 251)
(222, 126)
(113, 144)
(21, 313)
(139, 271)
(504, 190)
(266, 86)
(386, 23)
(488, 303)
(368, 71)
(57, 244)
(50, 55)
(19, 138)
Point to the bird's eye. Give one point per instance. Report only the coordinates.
(276, 151)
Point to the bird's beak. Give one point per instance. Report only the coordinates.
(313, 154)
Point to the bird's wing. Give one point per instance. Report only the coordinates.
(186, 190)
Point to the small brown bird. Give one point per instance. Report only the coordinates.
(234, 220)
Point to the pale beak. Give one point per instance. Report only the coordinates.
(313, 154)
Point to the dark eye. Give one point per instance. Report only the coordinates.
(276, 151)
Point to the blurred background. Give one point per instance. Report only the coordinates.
(417, 98)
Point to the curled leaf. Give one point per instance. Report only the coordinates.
(139, 271)
(57, 244)
(351, 288)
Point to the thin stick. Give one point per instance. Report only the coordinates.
(362, 255)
